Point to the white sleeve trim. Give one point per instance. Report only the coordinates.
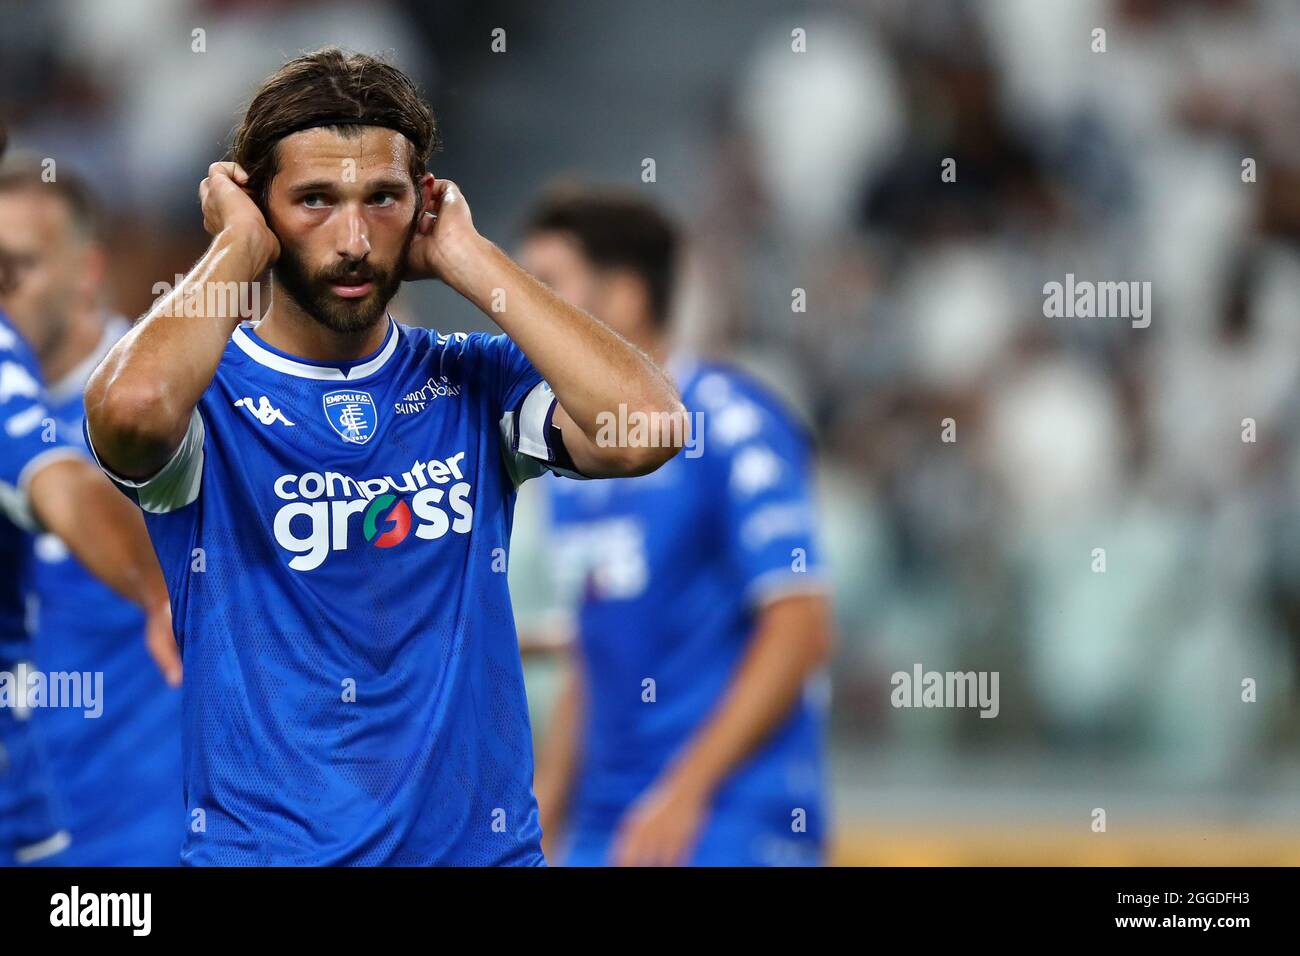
(773, 585)
(177, 483)
(16, 501)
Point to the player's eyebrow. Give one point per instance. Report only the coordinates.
(326, 185)
(388, 185)
(312, 186)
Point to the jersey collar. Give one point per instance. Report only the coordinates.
(246, 338)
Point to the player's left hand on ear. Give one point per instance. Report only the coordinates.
(443, 232)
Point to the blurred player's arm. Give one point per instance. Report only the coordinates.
(547, 637)
(792, 638)
(71, 498)
(557, 760)
(590, 367)
(140, 400)
(47, 483)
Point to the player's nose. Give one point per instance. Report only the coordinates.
(354, 237)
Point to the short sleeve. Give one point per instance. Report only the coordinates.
(523, 404)
(764, 474)
(29, 439)
(176, 484)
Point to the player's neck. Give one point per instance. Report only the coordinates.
(291, 330)
(78, 341)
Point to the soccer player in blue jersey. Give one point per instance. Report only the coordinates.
(118, 774)
(689, 730)
(47, 483)
(331, 493)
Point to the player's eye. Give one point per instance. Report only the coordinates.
(315, 200)
(383, 199)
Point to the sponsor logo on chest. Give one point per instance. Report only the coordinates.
(321, 513)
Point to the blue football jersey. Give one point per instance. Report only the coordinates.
(29, 826)
(666, 573)
(334, 538)
(119, 773)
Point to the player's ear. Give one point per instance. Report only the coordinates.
(425, 189)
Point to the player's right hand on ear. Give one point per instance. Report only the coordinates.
(228, 204)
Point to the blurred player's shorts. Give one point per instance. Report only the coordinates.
(30, 830)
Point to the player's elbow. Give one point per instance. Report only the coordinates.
(666, 433)
(130, 421)
(635, 462)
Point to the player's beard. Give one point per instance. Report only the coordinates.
(313, 293)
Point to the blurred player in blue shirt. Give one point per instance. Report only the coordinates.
(689, 730)
(118, 775)
(46, 483)
(32, 828)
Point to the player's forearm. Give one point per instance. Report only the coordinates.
(139, 400)
(102, 529)
(792, 640)
(591, 368)
(558, 760)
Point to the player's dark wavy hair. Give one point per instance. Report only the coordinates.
(339, 91)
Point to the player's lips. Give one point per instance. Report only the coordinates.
(352, 290)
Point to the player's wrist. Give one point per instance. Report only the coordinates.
(157, 602)
(255, 243)
(470, 269)
(690, 782)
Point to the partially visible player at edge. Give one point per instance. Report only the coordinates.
(118, 775)
(705, 578)
(353, 692)
(47, 483)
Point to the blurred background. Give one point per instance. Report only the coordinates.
(819, 170)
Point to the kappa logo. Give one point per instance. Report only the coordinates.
(264, 411)
(351, 414)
